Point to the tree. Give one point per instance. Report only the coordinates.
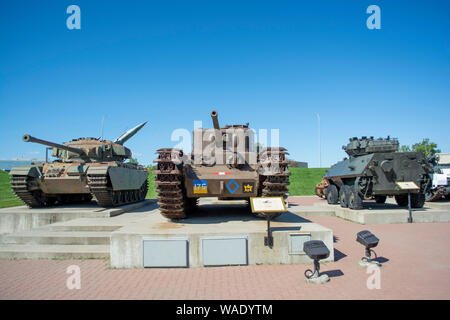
(405, 148)
(133, 160)
(427, 147)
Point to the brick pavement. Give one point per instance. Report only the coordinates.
(418, 267)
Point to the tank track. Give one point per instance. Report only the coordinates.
(106, 197)
(172, 198)
(274, 174)
(19, 185)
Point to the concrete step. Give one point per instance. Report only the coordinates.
(83, 227)
(57, 238)
(39, 251)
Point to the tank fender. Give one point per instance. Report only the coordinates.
(31, 170)
(126, 179)
(98, 170)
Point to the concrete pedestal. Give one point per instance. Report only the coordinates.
(219, 233)
(374, 213)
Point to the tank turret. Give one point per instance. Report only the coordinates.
(365, 145)
(90, 149)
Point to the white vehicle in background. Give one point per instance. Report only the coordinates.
(440, 178)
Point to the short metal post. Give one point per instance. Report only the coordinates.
(268, 240)
(410, 220)
(316, 268)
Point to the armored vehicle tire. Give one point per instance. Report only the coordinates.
(332, 194)
(354, 199)
(402, 200)
(343, 196)
(380, 199)
(417, 200)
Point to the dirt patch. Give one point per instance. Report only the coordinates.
(168, 225)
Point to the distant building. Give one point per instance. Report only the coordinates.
(7, 165)
(302, 164)
(444, 158)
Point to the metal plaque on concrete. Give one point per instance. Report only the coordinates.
(224, 250)
(162, 252)
(267, 204)
(296, 241)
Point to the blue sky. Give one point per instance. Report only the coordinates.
(271, 63)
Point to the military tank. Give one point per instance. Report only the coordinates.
(85, 168)
(224, 164)
(371, 172)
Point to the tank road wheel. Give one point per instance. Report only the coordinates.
(343, 196)
(402, 200)
(380, 199)
(417, 200)
(172, 198)
(354, 199)
(332, 194)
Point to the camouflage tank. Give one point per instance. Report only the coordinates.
(372, 171)
(85, 168)
(223, 164)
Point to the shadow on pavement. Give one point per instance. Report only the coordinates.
(338, 255)
(333, 273)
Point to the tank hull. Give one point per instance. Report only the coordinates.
(385, 169)
(375, 176)
(221, 181)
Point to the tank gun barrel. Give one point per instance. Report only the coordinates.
(215, 119)
(28, 138)
(129, 133)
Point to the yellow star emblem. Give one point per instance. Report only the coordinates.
(248, 188)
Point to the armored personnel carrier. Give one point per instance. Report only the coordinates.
(85, 168)
(223, 164)
(372, 171)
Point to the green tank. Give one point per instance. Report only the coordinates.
(85, 168)
(371, 172)
(224, 163)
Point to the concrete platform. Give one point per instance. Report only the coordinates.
(16, 219)
(29, 251)
(81, 238)
(218, 220)
(374, 213)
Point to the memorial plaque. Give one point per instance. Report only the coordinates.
(267, 204)
(407, 185)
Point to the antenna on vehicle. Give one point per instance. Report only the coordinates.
(103, 122)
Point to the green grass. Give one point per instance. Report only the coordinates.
(151, 193)
(303, 180)
(7, 197)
